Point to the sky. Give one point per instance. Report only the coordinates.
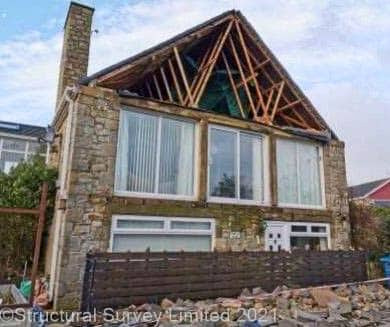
(337, 51)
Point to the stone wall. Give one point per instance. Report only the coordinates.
(75, 49)
(91, 202)
(337, 194)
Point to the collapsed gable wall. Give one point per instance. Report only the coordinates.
(91, 202)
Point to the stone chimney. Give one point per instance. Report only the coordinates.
(75, 49)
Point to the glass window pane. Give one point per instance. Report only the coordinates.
(190, 225)
(318, 229)
(309, 174)
(36, 147)
(14, 144)
(251, 167)
(9, 160)
(298, 228)
(176, 173)
(136, 161)
(223, 153)
(309, 243)
(287, 171)
(161, 242)
(140, 224)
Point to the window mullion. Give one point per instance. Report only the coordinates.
(26, 149)
(157, 173)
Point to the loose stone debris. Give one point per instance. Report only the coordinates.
(345, 305)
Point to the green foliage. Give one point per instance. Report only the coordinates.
(383, 215)
(22, 188)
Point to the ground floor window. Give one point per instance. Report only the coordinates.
(297, 235)
(137, 233)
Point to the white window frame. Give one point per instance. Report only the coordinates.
(265, 173)
(166, 230)
(288, 233)
(321, 175)
(26, 152)
(156, 195)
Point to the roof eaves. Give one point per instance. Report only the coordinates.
(387, 181)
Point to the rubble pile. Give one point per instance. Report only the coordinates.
(356, 305)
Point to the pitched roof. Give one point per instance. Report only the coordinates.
(382, 204)
(290, 108)
(363, 190)
(22, 129)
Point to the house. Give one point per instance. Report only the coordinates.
(375, 192)
(18, 142)
(202, 142)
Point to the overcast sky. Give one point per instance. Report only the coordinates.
(337, 51)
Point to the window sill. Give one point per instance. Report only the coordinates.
(154, 196)
(237, 202)
(301, 206)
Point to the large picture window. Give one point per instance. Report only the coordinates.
(155, 155)
(235, 166)
(299, 174)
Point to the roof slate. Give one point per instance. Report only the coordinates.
(22, 129)
(362, 189)
(382, 204)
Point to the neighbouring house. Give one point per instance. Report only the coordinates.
(18, 142)
(202, 142)
(375, 192)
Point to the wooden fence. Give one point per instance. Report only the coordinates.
(119, 279)
(40, 214)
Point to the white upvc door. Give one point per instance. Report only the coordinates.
(276, 237)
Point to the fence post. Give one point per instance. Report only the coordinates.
(89, 276)
(38, 238)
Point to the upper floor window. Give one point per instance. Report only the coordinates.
(14, 150)
(299, 170)
(155, 155)
(236, 171)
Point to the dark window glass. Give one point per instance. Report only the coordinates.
(309, 243)
(298, 228)
(318, 229)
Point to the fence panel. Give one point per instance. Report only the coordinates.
(120, 279)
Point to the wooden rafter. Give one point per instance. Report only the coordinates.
(241, 71)
(205, 62)
(175, 81)
(149, 88)
(233, 84)
(294, 121)
(183, 75)
(251, 69)
(157, 87)
(167, 89)
(212, 63)
(288, 106)
(276, 104)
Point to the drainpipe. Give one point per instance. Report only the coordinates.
(59, 228)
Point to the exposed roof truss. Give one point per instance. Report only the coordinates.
(223, 66)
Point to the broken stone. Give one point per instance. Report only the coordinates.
(324, 296)
(166, 304)
(246, 293)
(258, 291)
